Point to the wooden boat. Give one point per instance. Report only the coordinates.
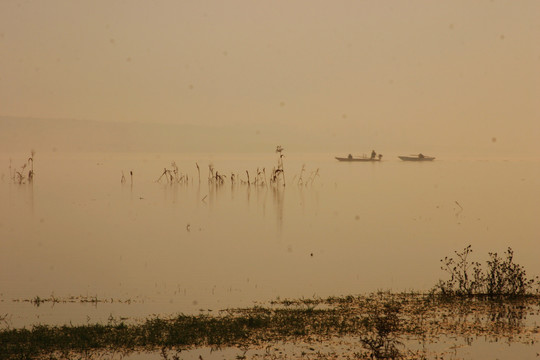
(419, 157)
(359, 158)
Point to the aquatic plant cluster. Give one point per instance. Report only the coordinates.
(501, 277)
(173, 175)
(276, 177)
(376, 326)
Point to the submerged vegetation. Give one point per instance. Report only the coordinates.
(52, 299)
(373, 326)
(383, 325)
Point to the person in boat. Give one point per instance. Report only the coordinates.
(349, 157)
(421, 156)
(373, 154)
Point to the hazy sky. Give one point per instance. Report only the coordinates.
(423, 67)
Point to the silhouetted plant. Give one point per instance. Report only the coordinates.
(171, 175)
(278, 173)
(300, 178)
(24, 174)
(502, 277)
(31, 162)
(248, 181)
(167, 174)
(313, 176)
(260, 179)
(305, 182)
(461, 281)
(214, 177)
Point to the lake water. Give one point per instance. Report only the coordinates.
(77, 231)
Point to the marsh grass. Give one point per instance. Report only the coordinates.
(25, 173)
(214, 177)
(173, 175)
(95, 300)
(278, 173)
(381, 323)
(489, 304)
(311, 178)
(260, 179)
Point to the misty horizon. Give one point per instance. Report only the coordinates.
(312, 76)
(70, 135)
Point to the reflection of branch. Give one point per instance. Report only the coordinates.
(461, 207)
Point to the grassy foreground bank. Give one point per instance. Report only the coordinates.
(380, 323)
(492, 302)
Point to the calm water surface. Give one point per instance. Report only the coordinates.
(356, 228)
